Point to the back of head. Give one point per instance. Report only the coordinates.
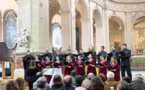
(127, 79)
(102, 76)
(80, 88)
(96, 83)
(79, 80)
(57, 80)
(32, 64)
(41, 82)
(20, 82)
(67, 80)
(86, 84)
(12, 85)
(73, 73)
(90, 75)
(138, 77)
(39, 74)
(110, 76)
(3, 85)
(123, 85)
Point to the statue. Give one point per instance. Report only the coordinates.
(23, 38)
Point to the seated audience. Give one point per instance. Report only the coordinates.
(3, 85)
(127, 79)
(80, 88)
(67, 83)
(123, 85)
(79, 80)
(138, 83)
(20, 82)
(73, 76)
(57, 82)
(103, 77)
(110, 83)
(86, 84)
(12, 85)
(90, 75)
(42, 84)
(96, 83)
(38, 75)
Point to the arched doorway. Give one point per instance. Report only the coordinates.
(82, 23)
(139, 35)
(116, 32)
(97, 30)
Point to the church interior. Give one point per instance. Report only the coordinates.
(61, 25)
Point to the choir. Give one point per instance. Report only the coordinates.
(83, 62)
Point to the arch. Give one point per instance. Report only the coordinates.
(116, 31)
(9, 10)
(117, 19)
(97, 32)
(97, 16)
(81, 6)
(137, 17)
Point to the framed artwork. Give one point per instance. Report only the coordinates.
(10, 30)
(56, 37)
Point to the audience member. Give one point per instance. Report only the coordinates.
(42, 84)
(86, 84)
(79, 80)
(103, 77)
(90, 75)
(73, 76)
(67, 83)
(123, 85)
(110, 83)
(12, 85)
(127, 79)
(80, 88)
(38, 74)
(31, 74)
(138, 83)
(96, 83)
(3, 85)
(20, 82)
(57, 82)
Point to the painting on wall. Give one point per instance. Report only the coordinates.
(56, 37)
(11, 30)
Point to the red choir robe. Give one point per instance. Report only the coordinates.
(68, 70)
(48, 77)
(91, 69)
(79, 70)
(116, 67)
(104, 69)
(59, 64)
(38, 65)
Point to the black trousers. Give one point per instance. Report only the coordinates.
(127, 69)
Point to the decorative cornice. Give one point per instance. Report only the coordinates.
(116, 6)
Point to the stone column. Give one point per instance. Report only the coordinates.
(129, 32)
(105, 30)
(99, 38)
(86, 39)
(66, 30)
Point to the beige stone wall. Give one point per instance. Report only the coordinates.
(39, 16)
